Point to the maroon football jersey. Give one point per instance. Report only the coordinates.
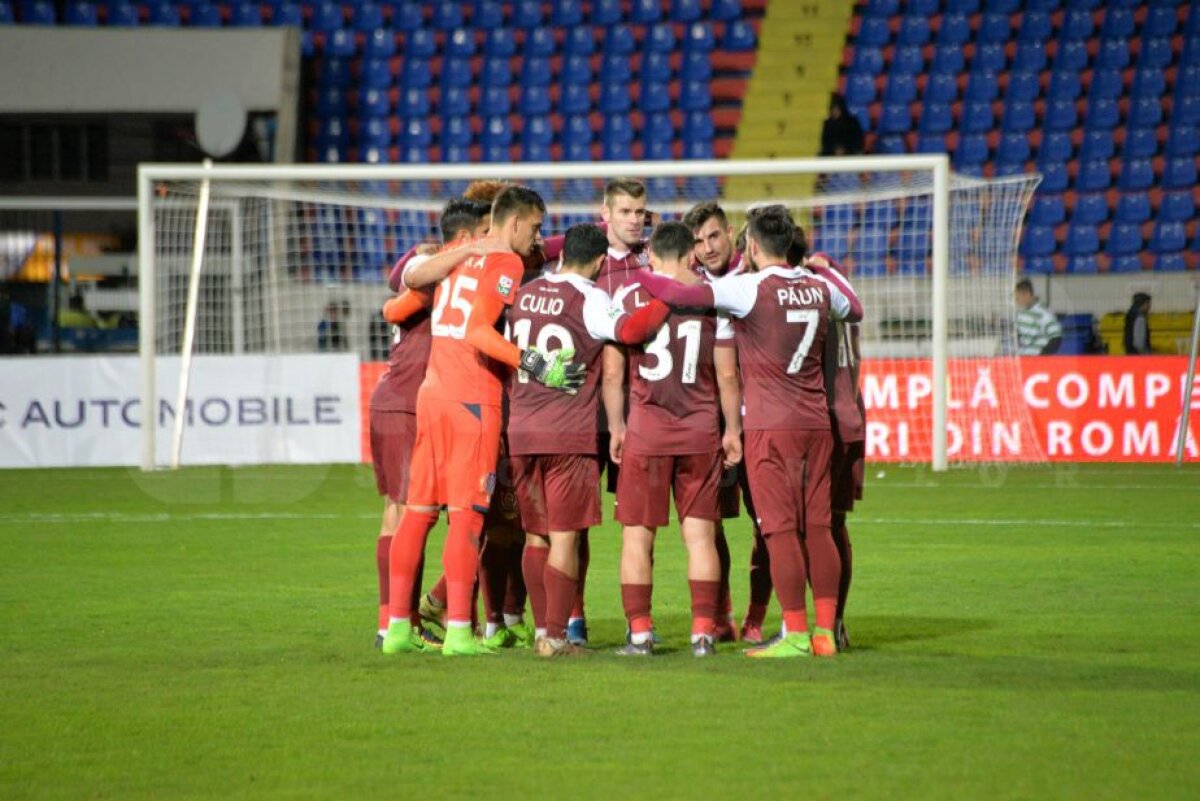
(619, 267)
(407, 359)
(781, 318)
(673, 399)
(841, 382)
(553, 311)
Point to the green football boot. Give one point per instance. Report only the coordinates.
(401, 639)
(524, 633)
(462, 642)
(788, 647)
(503, 638)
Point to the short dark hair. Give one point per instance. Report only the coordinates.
(623, 186)
(1025, 285)
(701, 213)
(460, 214)
(672, 240)
(515, 200)
(583, 244)
(799, 247)
(772, 227)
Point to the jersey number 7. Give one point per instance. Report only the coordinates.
(809, 318)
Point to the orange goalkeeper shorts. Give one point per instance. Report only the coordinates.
(454, 456)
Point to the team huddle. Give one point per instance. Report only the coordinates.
(522, 367)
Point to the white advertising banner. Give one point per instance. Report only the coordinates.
(87, 412)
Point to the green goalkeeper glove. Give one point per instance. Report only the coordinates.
(554, 369)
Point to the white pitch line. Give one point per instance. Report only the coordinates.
(167, 517)
(1043, 523)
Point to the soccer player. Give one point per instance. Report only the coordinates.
(459, 420)
(392, 408)
(781, 317)
(679, 384)
(553, 436)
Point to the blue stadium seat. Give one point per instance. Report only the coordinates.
(697, 149)
(1118, 23)
(1036, 26)
(566, 13)
(947, 60)
(939, 88)
(614, 98)
(873, 32)
(619, 39)
(1107, 84)
(6, 13)
(407, 16)
(657, 151)
(577, 70)
(1136, 175)
(655, 97)
(1102, 114)
(163, 14)
(891, 145)
(972, 149)
(579, 41)
(339, 43)
(1125, 263)
(496, 131)
(335, 72)
(367, 17)
(535, 71)
(655, 68)
(1003, 6)
(373, 103)
(1156, 53)
(896, 119)
(574, 99)
(500, 43)
(495, 101)
(1047, 210)
(488, 14)
(695, 96)
(977, 118)
(660, 38)
(1090, 209)
(615, 68)
(535, 152)
(123, 15)
(1170, 262)
(935, 118)
(414, 102)
(982, 87)
(699, 37)
(989, 57)
(1097, 144)
(617, 128)
(645, 12)
(1082, 239)
(1145, 112)
(1054, 177)
(1160, 22)
(1177, 207)
(460, 43)
(379, 43)
(205, 14)
(1085, 263)
(1180, 173)
(605, 12)
(1113, 54)
(1013, 148)
(496, 152)
(1183, 140)
(527, 14)
(687, 10)
(1140, 143)
(454, 100)
(901, 88)
(867, 61)
(1149, 83)
(931, 143)
(416, 132)
(1168, 236)
(726, 10)
(331, 102)
(447, 16)
(962, 6)
(1187, 110)
(496, 72)
(41, 12)
(994, 28)
(955, 30)
(739, 37)
(1023, 86)
(1056, 146)
(538, 129)
(287, 14)
(1133, 207)
(377, 133)
(658, 128)
(456, 154)
(1077, 25)
(1039, 241)
(420, 44)
(696, 66)
(1072, 55)
(698, 125)
(376, 73)
(456, 72)
(1046, 6)
(1030, 57)
(326, 17)
(882, 8)
(81, 13)
(1064, 86)
(539, 43)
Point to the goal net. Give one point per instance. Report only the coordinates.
(294, 260)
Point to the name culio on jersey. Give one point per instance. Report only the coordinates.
(540, 304)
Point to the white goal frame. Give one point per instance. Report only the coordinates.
(937, 165)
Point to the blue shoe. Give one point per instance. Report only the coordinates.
(577, 631)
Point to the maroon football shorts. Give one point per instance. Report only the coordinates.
(558, 492)
(846, 472)
(645, 484)
(392, 438)
(789, 475)
(728, 496)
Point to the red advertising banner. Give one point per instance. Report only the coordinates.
(1067, 409)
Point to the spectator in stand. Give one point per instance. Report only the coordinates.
(16, 328)
(331, 330)
(1038, 330)
(842, 135)
(76, 315)
(1137, 326)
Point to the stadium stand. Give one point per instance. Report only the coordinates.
(1102, 98)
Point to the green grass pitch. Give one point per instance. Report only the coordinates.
(1019, 633)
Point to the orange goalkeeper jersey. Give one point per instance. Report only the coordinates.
(458, 371)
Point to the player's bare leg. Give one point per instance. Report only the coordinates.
(561, 580)
(404, 561)
(637, 586)
(841, 540)
(704, 580)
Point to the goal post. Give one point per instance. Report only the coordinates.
(285, 235)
